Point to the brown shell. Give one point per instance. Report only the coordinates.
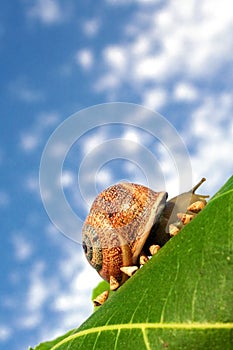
(118, 225)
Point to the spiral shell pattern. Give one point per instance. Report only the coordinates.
(119, 222)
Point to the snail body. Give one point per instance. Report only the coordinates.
(126, 220)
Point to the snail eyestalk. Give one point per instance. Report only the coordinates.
(193, 190)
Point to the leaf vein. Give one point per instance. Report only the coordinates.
(145, 338)
(138, 305)
(220, 195)
(173, 326)
(116, 341)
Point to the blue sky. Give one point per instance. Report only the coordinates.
(58, 58)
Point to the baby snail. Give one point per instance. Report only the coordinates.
(129, 222)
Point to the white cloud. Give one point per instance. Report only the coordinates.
(32, 138)
(179, 40)
(104, 177)
(58, 149)
(155, 98)
(29, 142)
(5, 333)
(69, 291)
(31, 320)
(46, 119)
(23, 249)
(91, 27)
(151, 68)
(115, 61)
(136, 139)
(75, 302)
(132, 135)
(67, 178)
(23, 90)
(47, 11)
(108, 81)
(210, 133)
(126, 3)
(32, 184)
(115, 56)
(185, 92)
(29, 95)
(85, 58)
(141, 45)
(211, 118)
(87, 279)
(72, 261)
(39, 288)
(90, 143)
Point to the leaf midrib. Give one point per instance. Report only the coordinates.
(144, 326)
(218, 195)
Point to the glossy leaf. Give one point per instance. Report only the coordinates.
(181, 299)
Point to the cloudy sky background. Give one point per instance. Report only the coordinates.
(60, 57)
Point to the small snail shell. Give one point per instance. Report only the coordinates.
(117, 227)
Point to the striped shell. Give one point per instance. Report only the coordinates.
(117, 227)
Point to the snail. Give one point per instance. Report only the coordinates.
(128, 222)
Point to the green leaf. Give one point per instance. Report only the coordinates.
(181, 299)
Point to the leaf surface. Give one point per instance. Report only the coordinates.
(181, 299)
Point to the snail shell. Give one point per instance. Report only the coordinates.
(117, 227)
